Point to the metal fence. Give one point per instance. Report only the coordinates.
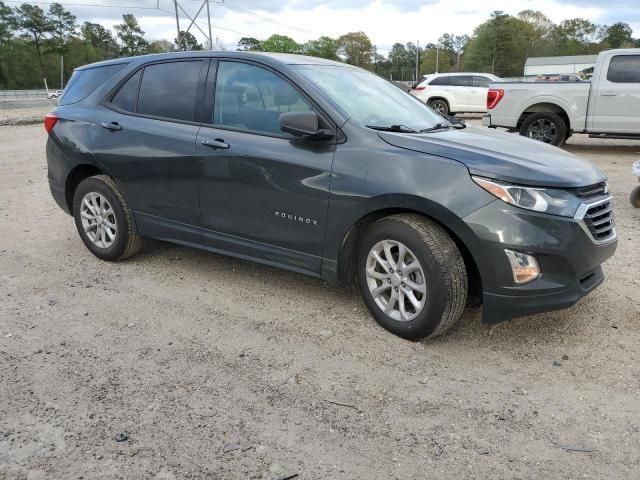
(40, 94)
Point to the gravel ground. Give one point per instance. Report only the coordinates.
(24, 111)
(212, 367)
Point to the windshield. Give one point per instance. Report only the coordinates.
(370, 100)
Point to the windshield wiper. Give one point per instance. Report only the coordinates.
(392, 128)
(437, 126)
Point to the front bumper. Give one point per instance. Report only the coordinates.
(570, 261)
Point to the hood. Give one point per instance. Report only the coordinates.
(502, 156)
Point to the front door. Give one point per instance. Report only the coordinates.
(617, 96)
(145, 136)
(263, 192)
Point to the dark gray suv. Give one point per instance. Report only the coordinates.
(328, 170)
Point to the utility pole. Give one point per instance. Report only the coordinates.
(417, 58)
(61, 72)
(437, 58)
(175, 4)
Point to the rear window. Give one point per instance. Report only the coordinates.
(168, 90)
(624, 69)
(84, 82)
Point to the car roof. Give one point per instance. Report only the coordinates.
(455, 74)
(273, 59)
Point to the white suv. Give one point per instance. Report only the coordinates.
(450, 93)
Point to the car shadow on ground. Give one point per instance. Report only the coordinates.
(534, 329)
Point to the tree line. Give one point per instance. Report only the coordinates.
(32, 41)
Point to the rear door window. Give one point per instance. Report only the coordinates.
(85, 82)
(461, 81)
(168, 90)
(251, 98)
(624, 69)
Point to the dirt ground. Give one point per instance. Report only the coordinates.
(216, 368)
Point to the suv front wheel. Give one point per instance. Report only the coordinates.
(412, 276)
(103, 220)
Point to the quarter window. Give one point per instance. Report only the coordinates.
(482, 82)
(624, 69)
(252, 98)
(127, 96)
(168, 90)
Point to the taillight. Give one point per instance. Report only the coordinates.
(50, 121)
(420, 87)
(494, 96)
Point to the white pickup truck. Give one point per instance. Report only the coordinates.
(606, 107)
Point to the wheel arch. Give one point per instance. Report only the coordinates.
(76, 175)
(348, 251)
(542, 107)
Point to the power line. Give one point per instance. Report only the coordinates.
(264, 18)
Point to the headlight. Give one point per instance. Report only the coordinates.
(547, 200)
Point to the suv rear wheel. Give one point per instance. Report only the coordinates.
(103, 220)
(412, 276)
(440, 106)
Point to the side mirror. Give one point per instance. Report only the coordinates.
(304, 125)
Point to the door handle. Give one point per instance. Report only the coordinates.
(112, 126)
(217, 144)
(608, 94)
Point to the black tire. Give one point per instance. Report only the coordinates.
(635, 197)
(444, 272)
(127, 241)
(547, 127)
(439, 105)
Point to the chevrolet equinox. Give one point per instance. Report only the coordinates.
(328, 170)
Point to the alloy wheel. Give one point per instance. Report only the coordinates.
(396, 280)
(98, 220)
(543, 130)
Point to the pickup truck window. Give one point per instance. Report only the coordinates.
(624, 69)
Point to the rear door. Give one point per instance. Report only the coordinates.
(144, 135)
(263, 192)
(617, 97)
(461, 87)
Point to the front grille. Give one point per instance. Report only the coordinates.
(599, 221)
(590, 192)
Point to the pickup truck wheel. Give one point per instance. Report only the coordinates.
(412, 276)
(440, 106)
(547, 127)
(103, 220)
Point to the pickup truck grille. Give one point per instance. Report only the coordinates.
(590, 192)
(599, 220)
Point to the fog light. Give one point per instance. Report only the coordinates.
(524, 267)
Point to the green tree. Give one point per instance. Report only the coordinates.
(187, 41)
(356, 49)
(576, 36)
(323, 47)
(618, 35)
(100, 38)
(249, 44)
(281, 44)
(63, 26)
(33, 23)
(160, 46)
(131, 36)
(500, 45)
